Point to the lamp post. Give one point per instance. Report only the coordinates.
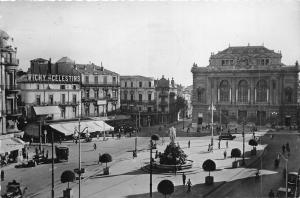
(286, 174)
(52, 164)
(212, 108)
(79, 172)
(151, 145)
(243, 162)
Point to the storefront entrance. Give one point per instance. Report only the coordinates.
(287, 120)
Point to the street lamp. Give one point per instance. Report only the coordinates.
(286, 174)
(243, 163)
(155, 138)
(212, 108)
(79, 172)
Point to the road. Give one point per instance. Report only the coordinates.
(38, 178)
(245, 184)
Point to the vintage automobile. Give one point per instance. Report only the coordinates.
(293, 179)
(62, 153)
(226, 136)
(13, 190)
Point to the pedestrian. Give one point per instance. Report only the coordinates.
(47, 153)
(283, 149)
(113, 135)
(95, 146)
(225, 154)
(208, 148)
(156, 154)
(226, 143)
(219, 144)
(287, 146)
(183, 178)
(75, 141)
(2, 175)
(189, 144)
(271, 194)
(188, 130)
(189, 184)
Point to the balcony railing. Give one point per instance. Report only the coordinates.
(139, 102)
(11, 61)
(13, 112)
(56, 103)
(163, 94)
(101, 84)
(12, 87)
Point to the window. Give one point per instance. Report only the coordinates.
(274, 84)
(261, 91)
(96, 79)
(125, 84)
(86, 79)
(63, 98)
(263, 61)
(149, 97)
(63, 112)
(74, 87)
(243, 91)
(242, 116)
(125, 96)
(201, 95)
(140, 84)
(224, 91)
(288, 95)
(38, 87)
(38, 99)
(96, 93)
(74, 110)
(140, 108)
(149, 109)
(227, 62)
(114, 80)
(87, 110)
(51, 99)
(87, 93)
(131, 97)
(62, 86)
(149, 84)
(74, 99)
(131, 84)
(140, 97)
(105, 79)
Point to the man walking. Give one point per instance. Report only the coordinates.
(95, 146)
(189, 144)
(227, 144)
(225, 154)
(219, 144)
(189, 184)
(99, 158)
(183, 178)
(283, 149)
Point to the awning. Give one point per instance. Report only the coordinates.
(47, 110)
(11, 144)
(68, 128)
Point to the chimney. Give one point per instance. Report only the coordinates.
(49, 66)
(101, 68)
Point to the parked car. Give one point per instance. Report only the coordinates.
(293, 179)
(281, 192)
(227, 136)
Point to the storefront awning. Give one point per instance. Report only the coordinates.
(46, 110)
(68, 128)
(11, 144)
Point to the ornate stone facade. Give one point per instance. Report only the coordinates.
(245, 83)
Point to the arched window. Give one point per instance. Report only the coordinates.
(261, 91)
(224, 91)
(201, 95)
(243, 91)
(288, 95)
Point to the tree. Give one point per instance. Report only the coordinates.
(155, 137)
(165, 187)
(209, 165)
(105, 158)
(253, 143)
(67, 176)
(236, 153)
(180, 103)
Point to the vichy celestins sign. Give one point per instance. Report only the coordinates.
(53, 78)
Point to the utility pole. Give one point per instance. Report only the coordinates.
(52, 145)
(243, 142)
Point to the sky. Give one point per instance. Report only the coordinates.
(149, 38)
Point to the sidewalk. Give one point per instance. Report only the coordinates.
(128, 180)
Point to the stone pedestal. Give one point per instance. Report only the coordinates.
(106, 171)
(235, 164)
(209, 180)
(68, 193)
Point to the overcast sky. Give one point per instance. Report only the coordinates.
(149, 38)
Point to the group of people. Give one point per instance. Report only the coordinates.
(188, 183)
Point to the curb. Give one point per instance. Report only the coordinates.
(224, 182)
